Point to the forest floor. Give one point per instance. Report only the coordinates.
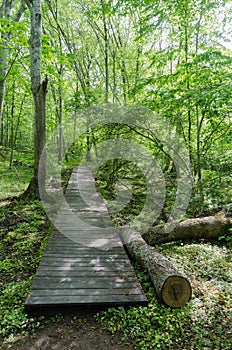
(205, 321)
(70, 334)
(203, 324)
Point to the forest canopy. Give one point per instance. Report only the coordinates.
(169, 56)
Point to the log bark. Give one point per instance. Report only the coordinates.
(211, 227)
(172, 288)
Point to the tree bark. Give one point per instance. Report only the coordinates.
(172, 288)
(39, 90)
(5, 13)
(211, 227)
(106, 52)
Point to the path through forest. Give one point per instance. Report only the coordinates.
(70, 334)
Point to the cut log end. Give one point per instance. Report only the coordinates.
(176, 291)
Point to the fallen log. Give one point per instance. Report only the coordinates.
(211, 227)
(172, 288)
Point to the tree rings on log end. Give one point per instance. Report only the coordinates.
(176, 291)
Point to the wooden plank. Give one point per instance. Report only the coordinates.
(66, 248)
(83, 292)
(74, 253)
(87, 273)
(91, 261)
(84, 262)
(56, 245)
(86, 284)
(42, 269)
(102, 281)
(65, 239)
(109, 266)
(88, 299)
(94, 259)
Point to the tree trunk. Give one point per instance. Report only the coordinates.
(211, 227)
(106, 51)
(39, 90)
(5, 36)
(173, 289)
(5, 13)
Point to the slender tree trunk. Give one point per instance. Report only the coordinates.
(12, 125)
(114, 76)
(39, 90)
(199, 185)
(60, 124)
(199, 121)
(59, 112)
(16, 130)
(106, 52)
(6, 13)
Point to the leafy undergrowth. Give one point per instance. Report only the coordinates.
(15, 180)
(24, 229)
(205, 323)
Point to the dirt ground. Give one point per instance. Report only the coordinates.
(70, 334)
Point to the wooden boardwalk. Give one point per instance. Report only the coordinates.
(84, 265)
